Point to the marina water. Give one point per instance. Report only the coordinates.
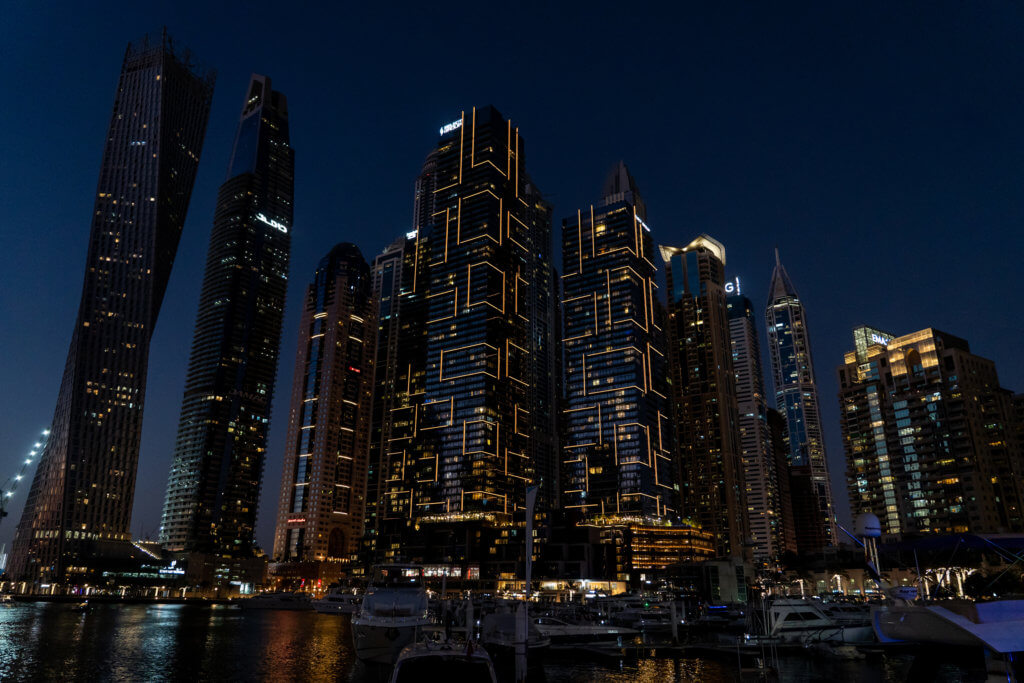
(139, 642)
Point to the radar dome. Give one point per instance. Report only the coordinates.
(867, 526)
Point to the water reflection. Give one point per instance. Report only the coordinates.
(641, 671)
(48, 641)
(170, 642)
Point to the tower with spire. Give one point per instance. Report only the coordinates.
(617, 453)
(796, 398)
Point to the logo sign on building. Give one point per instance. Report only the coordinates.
(449, 127)
(880, 339)
(262, 218)
(733, 286)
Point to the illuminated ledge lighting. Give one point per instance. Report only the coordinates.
(460, 517)
(705, 241)
(642, 520)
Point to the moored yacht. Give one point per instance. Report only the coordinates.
(287, 601)
(562, 632)
(338, 600)
(997, 625)
(795, 620)
(430, 661)
(392, 613)
(638, 613)
(498, 632)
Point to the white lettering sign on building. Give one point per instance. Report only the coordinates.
(449, 127)
(262, 218)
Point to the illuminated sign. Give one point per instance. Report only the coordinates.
(411, 235)
(880, 339)
(262, 218)
(733, 286)
(296, 520)
(449, 127)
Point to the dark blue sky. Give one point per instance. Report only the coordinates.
(879, 146)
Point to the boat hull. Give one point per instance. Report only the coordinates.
(997, 625)
(293, 606)
(848, 635)
(569, 636)
(334, 608)
(381, 644)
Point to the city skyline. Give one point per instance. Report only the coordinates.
(419, 126)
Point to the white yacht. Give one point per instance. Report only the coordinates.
(287, 601)
(430, 661)
(392, 613)
(638, 612)
(997, 625)
(498, 632)
(338, 600)
(561, 632)
(795, 620)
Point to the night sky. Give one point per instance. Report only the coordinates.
(879, 147)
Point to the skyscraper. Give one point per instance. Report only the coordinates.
(323, 487)
(214, 482)
(704, 394)
(83, 490)
(796, 397)
(398, 378)
(400, 285)
(484, 428)
(618, 458)
(930, 436)
(769, 512)
(387, 274)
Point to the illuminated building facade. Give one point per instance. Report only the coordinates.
(765, 480)
(400, 284)
(398, 375)
(85, 483)
(931, 439)
(796, 397)
(704, 394)
(323, 485)
(785, 482)
(484, 428)
(618, 460)
(656, 548)
(217, 467)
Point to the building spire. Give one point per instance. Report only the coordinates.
(619, 186)
(781, 286)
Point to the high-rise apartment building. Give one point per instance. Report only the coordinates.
(462, 454)
(217, 468)
(323, 486)
(389, 274)
(84, 487)
(618, 459)
(768, 511)
(400, 285)
(931, 439)
(796, 397)
(704, 394)
(787, 481)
